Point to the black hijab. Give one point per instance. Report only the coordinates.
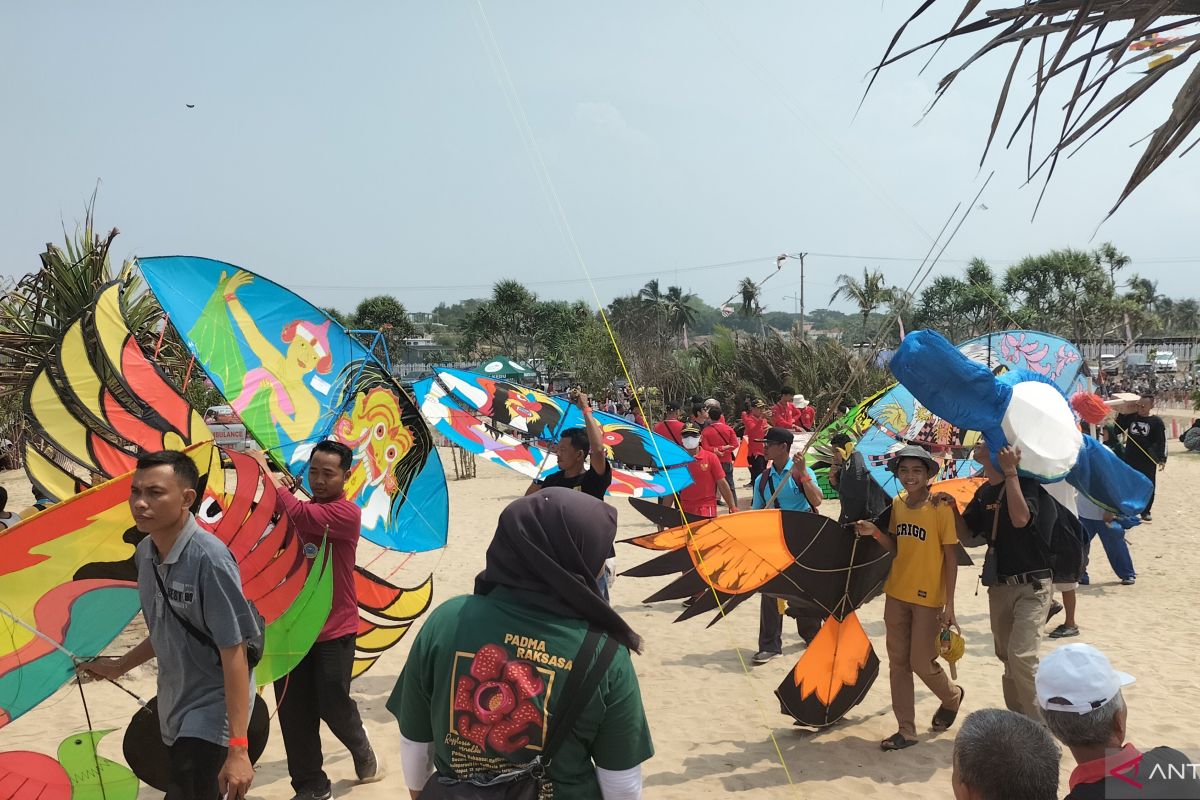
(549, 547)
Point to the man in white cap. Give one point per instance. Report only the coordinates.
(1079, 693)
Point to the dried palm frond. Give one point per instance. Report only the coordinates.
(1072, 35)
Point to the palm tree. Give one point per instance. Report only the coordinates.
(868, 295)
(1054, 29)
(35, 314)
(681, 314)
(751, 292)
(1112, 259)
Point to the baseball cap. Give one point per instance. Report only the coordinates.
(912, 451)
(758, 403)
(1078, 678)
(690, 429)
(778, 436)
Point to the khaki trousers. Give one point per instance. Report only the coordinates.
(912, 647)
(1018, 616)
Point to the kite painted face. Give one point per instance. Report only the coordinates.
(308, 346)
(376, 432)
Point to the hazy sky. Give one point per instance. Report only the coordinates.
(348, 149)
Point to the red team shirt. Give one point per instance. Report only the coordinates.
(756, 429)
(343, 520)
(719, 434)
(670, 429)
(784, 414)
(700, 498)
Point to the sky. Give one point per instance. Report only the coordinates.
(427, 150)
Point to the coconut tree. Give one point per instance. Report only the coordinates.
(681, 311)
(751, 293)
(35, 314)
(868, 294)
(1074, 41)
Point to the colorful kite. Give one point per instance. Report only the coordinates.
(1025, 407)
(80, 773)
(296, 377)
(138, 410)
(792, 555)
(516, 427)
(98, 402)
(68, 581)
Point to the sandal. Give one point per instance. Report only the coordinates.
(896, 742)
(944, 717)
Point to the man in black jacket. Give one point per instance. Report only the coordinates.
(1145, 442)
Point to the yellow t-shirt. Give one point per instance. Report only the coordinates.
(921, 533)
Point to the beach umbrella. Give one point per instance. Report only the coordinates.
(504, 367)
(517, 427)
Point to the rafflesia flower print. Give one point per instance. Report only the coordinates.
(493, 706)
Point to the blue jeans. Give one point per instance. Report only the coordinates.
(1112, 536)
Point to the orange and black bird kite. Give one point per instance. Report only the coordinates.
(790, 555)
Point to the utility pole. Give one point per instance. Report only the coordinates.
(802, 333)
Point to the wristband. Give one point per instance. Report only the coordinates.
(239, 741)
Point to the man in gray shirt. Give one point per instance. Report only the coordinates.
(204, 686)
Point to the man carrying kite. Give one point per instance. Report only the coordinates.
(191, 595)
(582, 458)
(790, 489)
(319, 687)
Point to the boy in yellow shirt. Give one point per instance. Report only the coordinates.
(922, 532)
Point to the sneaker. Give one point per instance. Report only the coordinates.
(1063, 631)
(315, 793)
(1055, 607)
(763, 656)
(1146, 517)
(1128, 581)
(366, 766)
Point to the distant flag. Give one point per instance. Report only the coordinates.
(726, 310)
(779, 259)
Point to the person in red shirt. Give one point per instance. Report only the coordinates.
(319, 687)
(708, 478)
(755, 423)
(671, 427)
(807, 415)
(722, 440)
(783, 413)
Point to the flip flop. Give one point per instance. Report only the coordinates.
(943, 718)
(896, 742)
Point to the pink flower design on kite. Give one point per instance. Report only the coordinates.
(493, 706)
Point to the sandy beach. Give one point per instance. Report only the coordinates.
(713, 718)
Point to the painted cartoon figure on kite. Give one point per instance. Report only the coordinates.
(296, 413)
(376, 434)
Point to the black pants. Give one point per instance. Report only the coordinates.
(195, 765)
(1150, 470)
(758, 465)
(770, 624)
(318, 689)
(728, 469)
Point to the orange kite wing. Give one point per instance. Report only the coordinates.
(832, 676)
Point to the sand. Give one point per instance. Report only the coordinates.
(713, 719)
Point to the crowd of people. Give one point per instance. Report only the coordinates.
(540, 688)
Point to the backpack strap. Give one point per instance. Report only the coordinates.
(581, 685)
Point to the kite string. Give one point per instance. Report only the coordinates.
(517, 109)
(87, 715)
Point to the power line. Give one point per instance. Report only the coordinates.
(649, 273)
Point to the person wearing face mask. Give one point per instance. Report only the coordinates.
(700, 497)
